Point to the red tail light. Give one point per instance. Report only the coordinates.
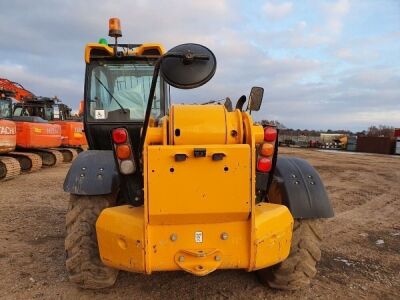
(264, 164)
(270, 134)
(119, 135)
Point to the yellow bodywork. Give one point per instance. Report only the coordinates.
(199, 212)
(197, 185)
(110, 50)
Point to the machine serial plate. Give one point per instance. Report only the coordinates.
(198, 237)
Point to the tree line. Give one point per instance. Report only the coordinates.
(373, 130)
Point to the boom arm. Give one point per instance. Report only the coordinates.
(21, 93)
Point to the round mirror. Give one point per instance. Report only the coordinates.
(188, 66)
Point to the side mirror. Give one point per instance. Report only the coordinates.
(255, 99)
(188, 66)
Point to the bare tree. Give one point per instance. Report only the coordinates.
(381, 130)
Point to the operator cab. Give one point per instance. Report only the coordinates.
(41, 107)
(48, 109)
(6, 104)
(5, 108)
(117, 85)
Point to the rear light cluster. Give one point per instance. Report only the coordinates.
(123, 151)
(264, 162)
(119, 135)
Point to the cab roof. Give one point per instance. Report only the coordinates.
(147, 49)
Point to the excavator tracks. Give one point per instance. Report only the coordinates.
(69, 154)
(50, 157)
(29, 162)
(9, 168)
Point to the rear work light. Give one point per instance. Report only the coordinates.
(127, 167)
(264, 164)
(119, 135)
(270, 134)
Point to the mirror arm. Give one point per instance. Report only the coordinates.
(149, 105)
(249, 105)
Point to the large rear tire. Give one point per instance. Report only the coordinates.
(300, 267)
(83, 262)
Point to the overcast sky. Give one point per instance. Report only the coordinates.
(323, 64)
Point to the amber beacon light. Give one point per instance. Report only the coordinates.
(114, 28)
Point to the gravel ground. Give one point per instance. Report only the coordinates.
(360, 259)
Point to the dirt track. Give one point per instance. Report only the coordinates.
(365, 192)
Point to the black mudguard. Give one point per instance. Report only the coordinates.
(93, 172)
(303, 191)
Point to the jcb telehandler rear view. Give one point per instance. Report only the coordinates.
(183, 187)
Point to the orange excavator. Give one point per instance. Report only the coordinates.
(73, 136)
(9, 166)
(35, 137)
(12, 162)
(73, 139)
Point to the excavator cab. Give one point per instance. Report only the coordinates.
(52, 110)
(34, 135)
(9, 166)
(183, 187)
(5, 108)
(38, 107)
(49, 109)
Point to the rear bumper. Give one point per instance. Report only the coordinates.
(127, 242)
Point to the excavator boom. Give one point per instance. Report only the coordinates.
(20, 93)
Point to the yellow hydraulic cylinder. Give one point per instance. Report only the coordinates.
(204, 124)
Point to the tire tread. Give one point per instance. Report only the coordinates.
(300, 267)
(83, 262)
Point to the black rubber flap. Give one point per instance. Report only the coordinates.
(303, 190)
(93, 172)
(191, 72)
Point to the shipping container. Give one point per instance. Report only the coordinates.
(374, 144)
(398, 146)
(397, 132)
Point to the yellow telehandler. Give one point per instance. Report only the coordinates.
(184, 186)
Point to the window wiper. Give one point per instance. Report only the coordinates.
(123, 109)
